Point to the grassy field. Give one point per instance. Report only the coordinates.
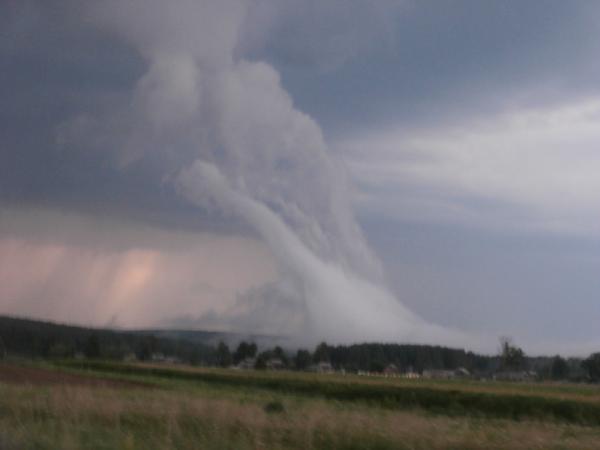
(107, 405)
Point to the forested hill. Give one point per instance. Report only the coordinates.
(375, 356)
(33, 338)
(38, 339)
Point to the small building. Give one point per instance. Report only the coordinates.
(247, 363)
(322, 367)
(130, 357)
(173, 360)
(391, 370)
(411, 375)
(275, 364)
(462, 372)
(157, 357)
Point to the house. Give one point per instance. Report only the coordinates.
(247, 363)
(322, 367)
(275, 364)
(158, 357)
(391, 370)
(162, 358)
(130, 357)
(462, 372)
(412, 375)
(173, 360)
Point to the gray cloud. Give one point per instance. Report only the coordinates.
(258, 310)
(534, 170)
(103, 104)
(406, 63)
(456, 59)
(341, 304)
(196, 101)
(315, 35)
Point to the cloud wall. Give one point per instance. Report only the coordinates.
(251, 156)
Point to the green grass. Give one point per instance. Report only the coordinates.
(186, 408)
(446, 399)
(60, 417)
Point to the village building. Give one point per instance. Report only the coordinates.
(411, 375)
(247, 363)
(275, 364)
(322, 367)
(391, 370)
(462, 372)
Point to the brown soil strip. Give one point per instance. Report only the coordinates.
(14, 374)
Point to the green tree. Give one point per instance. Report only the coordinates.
(2, 349)
(376, 366)
(592, 366)
(559, 370)
(92, 347)
(261, 360)
(302, 359)
(511, 356)
(223, 355)
(145, 349)
(243, 351)
(278, 352)
(322, 353)
(60, 350)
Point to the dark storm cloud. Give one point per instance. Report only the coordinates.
(443, 60)
(346, 63)
(55, 65)
(428, 70)
(319, 36)
(60, 67)
(52, 67)
(117, 151)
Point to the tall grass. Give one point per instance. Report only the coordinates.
(450, 401)
(100, 418)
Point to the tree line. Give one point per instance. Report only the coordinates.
(36, 339)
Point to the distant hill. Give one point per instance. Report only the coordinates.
(214, 337)
(40, 339)
(35, 338)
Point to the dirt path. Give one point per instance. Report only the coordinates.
(14, 374)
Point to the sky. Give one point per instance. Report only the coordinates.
(406, 171)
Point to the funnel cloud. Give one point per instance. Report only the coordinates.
(248, 153)
(347, 171)
(339, 304)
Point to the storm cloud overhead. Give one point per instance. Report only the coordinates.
(405, 171)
